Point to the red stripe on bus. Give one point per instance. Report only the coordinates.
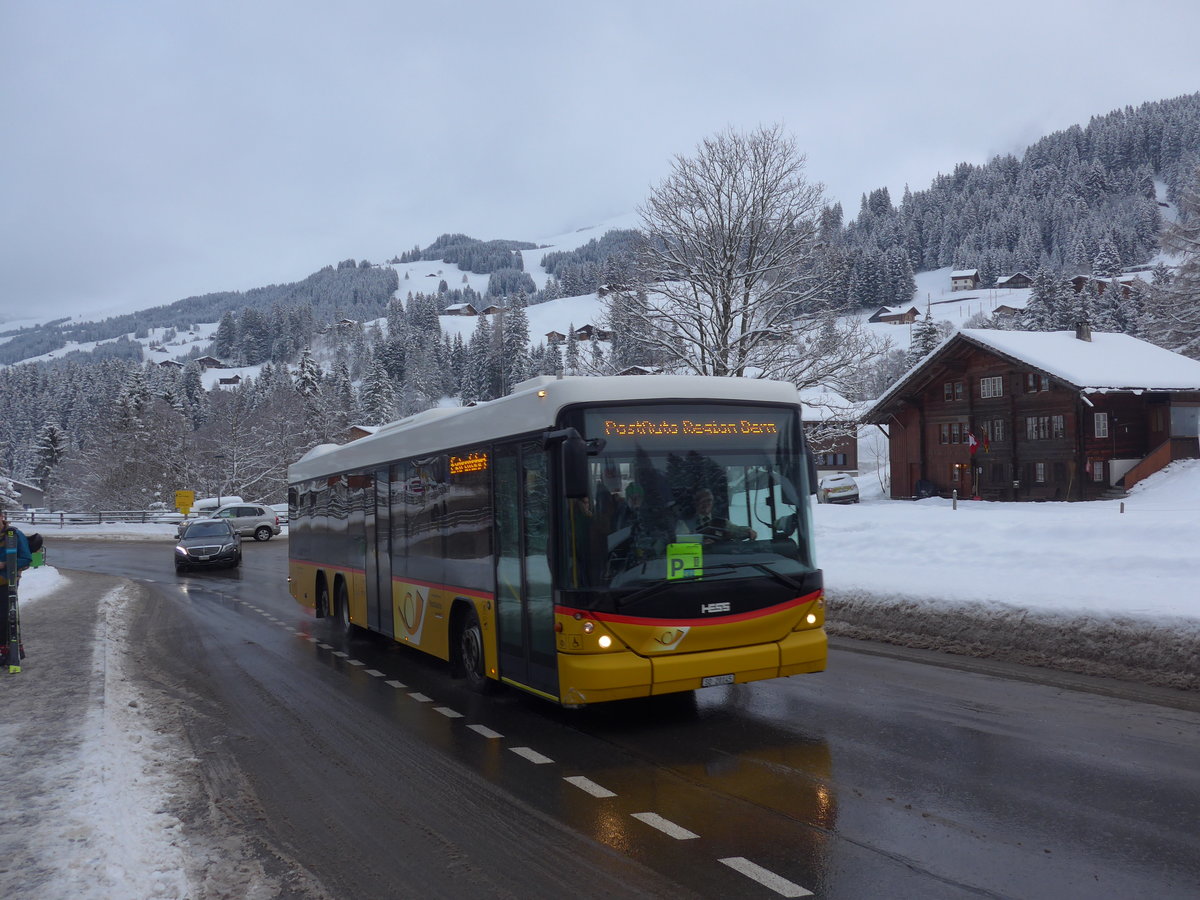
(709, 620)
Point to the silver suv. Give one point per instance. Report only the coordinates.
(250, 519)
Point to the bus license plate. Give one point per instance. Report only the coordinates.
(713, 680)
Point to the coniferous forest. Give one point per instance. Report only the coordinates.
(350, 345)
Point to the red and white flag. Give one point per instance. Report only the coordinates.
(973, 442)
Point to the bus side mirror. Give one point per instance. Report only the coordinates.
(812, 473)
(574, 454)
(572, 457)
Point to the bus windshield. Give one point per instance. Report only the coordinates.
(681, 493)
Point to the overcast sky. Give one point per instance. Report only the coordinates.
(155, 149)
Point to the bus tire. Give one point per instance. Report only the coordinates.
(470, 653)
(322, 609)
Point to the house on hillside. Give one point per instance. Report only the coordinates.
(1015, 280)
(232, 381)
(1010, 415)
(831, 429)
(1128, 283)
(895, 315)
(964, 280)
(170, 364)
(587, 332)
(492, 310)
(209, 362)
(555, 336)
(460, 309)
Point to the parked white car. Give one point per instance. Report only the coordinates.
(837, 488)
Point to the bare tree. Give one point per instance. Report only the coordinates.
(728, 268)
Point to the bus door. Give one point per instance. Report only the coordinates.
(379, 555)
(524, 595)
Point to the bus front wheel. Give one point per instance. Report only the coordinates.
(470, 653)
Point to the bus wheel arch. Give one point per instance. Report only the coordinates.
(468, 659)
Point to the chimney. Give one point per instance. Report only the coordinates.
(1083, 331)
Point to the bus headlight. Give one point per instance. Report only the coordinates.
(811, 619)
(589, 627)
(605, 642)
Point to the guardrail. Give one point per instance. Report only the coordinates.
(127, 516)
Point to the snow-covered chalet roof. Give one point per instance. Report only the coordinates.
(1108, 362)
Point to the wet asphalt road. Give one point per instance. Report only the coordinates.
(369, 766)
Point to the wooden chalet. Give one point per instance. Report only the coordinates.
(587, 332)
(964, 280)
(209, 362)
(831, 429)
(1010, 415)
(1128, 283)
(460, 309)
(895, 315)
(1016, 280)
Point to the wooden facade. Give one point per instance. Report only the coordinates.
(992, 426)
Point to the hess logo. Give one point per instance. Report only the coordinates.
(709, 608)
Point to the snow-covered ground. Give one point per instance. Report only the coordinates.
(1088, 562)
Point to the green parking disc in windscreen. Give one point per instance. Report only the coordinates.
(685, 561)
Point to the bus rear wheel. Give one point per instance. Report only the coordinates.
(343, 608)
(470, 653)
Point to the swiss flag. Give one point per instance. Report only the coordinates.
(973, 442)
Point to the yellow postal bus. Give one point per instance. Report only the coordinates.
(583, 539)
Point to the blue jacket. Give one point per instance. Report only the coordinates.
(24, 557)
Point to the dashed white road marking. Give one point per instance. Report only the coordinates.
(342, 653)
(325, 646)
(356, 662)
(313, 640)
(586, 784)
(666, 826)
(374, 673)
(448, 712)
(532, 755)
(766, 877)
(421, 698)
(396, 684)
(485, 731)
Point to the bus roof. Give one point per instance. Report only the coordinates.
(534, 405)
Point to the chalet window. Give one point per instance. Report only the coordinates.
(1037, 428)
(1058, 426)
(992, 386)
(1097, 467)
(1035, 382)
(1039, 472)
(1101, 426)
(958, 390)
(952, 390)
(943, 434)
(994, 429)
(955, 434)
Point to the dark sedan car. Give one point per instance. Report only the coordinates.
(208, 542)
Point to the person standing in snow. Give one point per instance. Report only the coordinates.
(24, 558)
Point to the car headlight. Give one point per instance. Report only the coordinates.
(181, 550)
(228, 547)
